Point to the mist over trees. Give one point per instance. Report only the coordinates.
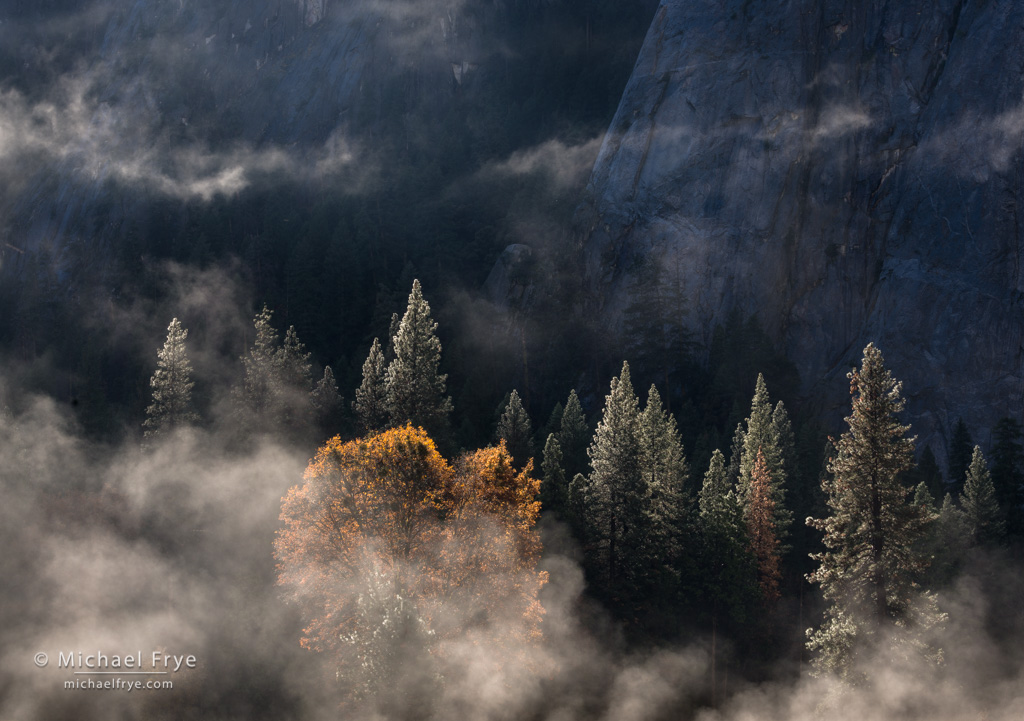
(351, 500)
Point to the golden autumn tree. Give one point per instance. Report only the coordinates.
(764, 542)
(392, 551)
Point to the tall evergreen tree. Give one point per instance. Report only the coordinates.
(293, 380)
(923, 496)
(172, 385)
(615, 493)
(255, 397)
(1008, 472)
(727, 569)
(764, 544)
(370, 404)
(294, 368)
(715, 487)
(275, 389)
(553, 424)
(958, 459)
(664, 469)
(415, 390)
(946, 543)
(732, 471)
(515, 429)
(979, 502)
(762, 434)
(554, 490)
(574, 437)
(326, 400)
(869, 570)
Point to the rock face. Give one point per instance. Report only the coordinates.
(848, 171)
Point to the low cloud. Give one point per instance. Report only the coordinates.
(565, 165)
(96, 141)
(977, 146)
(841, 120)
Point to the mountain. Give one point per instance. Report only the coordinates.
(847, 171)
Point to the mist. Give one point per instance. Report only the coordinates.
(119, 548)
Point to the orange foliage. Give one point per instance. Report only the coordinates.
(458, 544)
(763, 542)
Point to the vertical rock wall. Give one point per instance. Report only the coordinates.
(849, 171)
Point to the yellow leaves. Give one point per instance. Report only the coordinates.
(455, 541)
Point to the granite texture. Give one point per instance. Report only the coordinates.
(848, 171)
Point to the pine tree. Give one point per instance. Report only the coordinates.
(869, 571)
(764, 544)
(554, 490)
(715, 487)
(958, 459)
(615, 493)
(277, 383)
(732, 471)
(172, 386)
(415, 390)
(979, 500)
(727, 569)
(553, 424)
(574, 437)
(923, 496)
(1008, 472)
(762, 435)
(516, 430)
(947, 541)
(577, 514)
(664, 468)
(293, 381)
(256, 395)
(326, 400)
(292, 359)
(370, 404)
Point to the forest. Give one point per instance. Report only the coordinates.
(331, 401)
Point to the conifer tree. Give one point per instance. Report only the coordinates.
(325, 398)
(979, 501)
(577, 514)
(293, 380)
(715, 487)
(664, 468)
(172, 385)
(947, 541)
(574, 437)
(727, 568)
(762, 433)
(277, 382)
(958, 459)
(923, 496)
(615, 492)
(554, 490)
(415, 390)
(764, 545)
(553, 424)
(293, 363)
(255, 396)
(872, 562)
(732, 472)
(370, 404)
(782, 429)
(516, 430)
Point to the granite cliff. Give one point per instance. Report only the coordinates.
(848, 171)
